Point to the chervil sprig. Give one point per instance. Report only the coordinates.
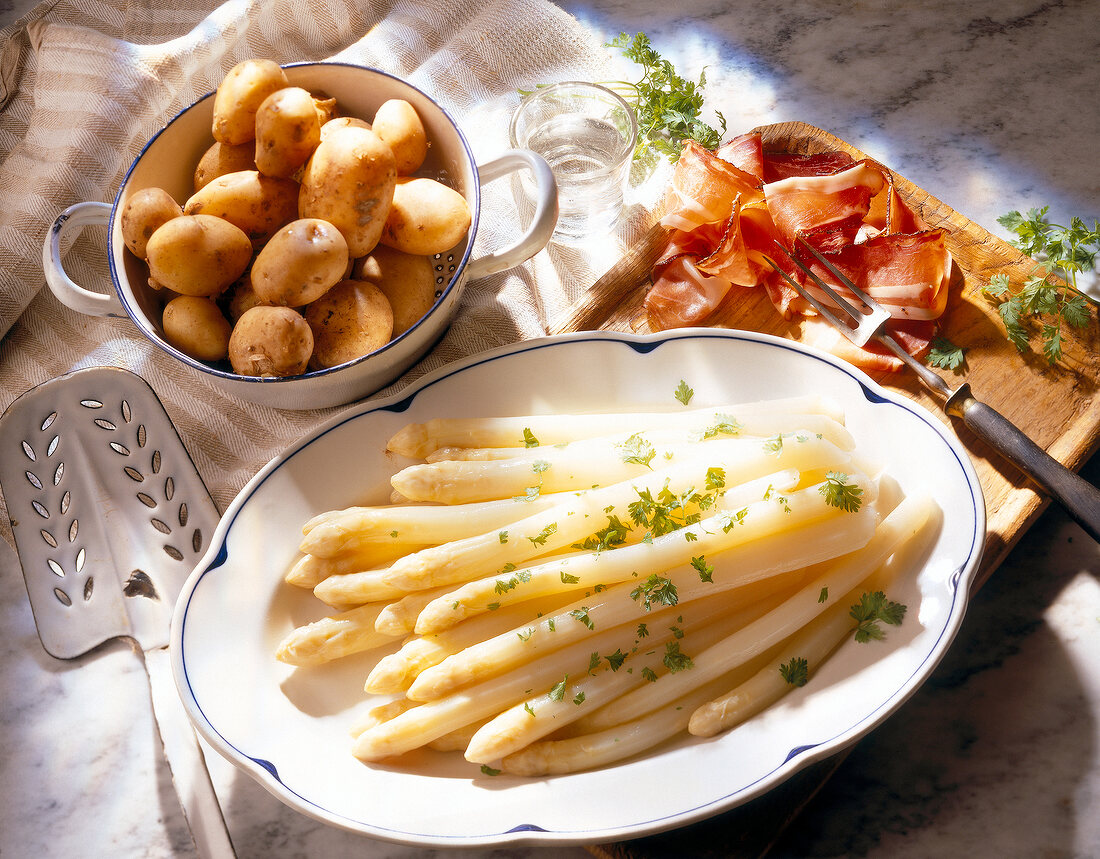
(1049, 297)
(668, 106)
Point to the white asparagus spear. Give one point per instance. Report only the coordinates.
(358, 588)
(333, 637)
(309, 570)
(417, 440)
(395, 672)
(602, 568)
(814, 643)
(617, 604)
(589, 751)
(422, 724)
(337, 532)
(664, 438)
(618, 672)
(399, 617)
(783, 510)
(585, 513)
(577, 468)
(378, 714)
(903, 523)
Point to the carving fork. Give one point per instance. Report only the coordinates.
(863, 320)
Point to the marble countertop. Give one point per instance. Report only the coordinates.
(999, 753)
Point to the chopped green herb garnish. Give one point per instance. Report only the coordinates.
(529, 439)
(649, 674)
(774, 445)
(637, 450)
(545, 534)
(616, 659)
(683, 392)
(870, 610)
(723, 425)
(705, 570)
(581, 615)
(824, 595)
(840, 493)
(488, 770)
(656, 590)
(607, 538)
(557, 692)
(946, 355)
(796, 672)
(674, 659)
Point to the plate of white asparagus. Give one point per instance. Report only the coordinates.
(579, 589)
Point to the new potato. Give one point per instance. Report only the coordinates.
(343, 122)
(222, 158)
(143, 213)
(196, 326)
(300, 263)
(257, 204)
(426, 217)
(287, 131)
(270, 341)
(398, 124)
(197, 255)
(349, 182)
(350, 320)
(407, 281)
(239, 96)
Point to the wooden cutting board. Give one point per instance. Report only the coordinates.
(1057, 407)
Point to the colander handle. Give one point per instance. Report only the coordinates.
(546, 211)
(60, 237)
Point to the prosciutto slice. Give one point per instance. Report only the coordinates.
(732, 211)
(683, 295)
(803, 204)
(704, 188)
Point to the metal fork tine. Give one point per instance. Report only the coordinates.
(866, 320)
(845, 327)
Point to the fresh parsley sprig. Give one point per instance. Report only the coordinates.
(1049, 297)
(872, 609)
(840, 493)
(796, 671)
(667, 105)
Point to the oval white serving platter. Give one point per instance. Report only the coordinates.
(289, 729)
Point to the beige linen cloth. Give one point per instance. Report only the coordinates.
(87, 82)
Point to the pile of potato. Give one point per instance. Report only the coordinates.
(307, 240)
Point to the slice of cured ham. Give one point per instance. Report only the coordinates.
(802, 204)
(704, 188)
(683, 295)
(730, 209)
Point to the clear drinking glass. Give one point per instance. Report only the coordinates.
(587, 135)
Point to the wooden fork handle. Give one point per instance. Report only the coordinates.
(1080, 498)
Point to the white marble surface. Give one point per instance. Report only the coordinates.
(998, 755)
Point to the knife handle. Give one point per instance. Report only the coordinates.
(1080, 498)
(186, 762)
